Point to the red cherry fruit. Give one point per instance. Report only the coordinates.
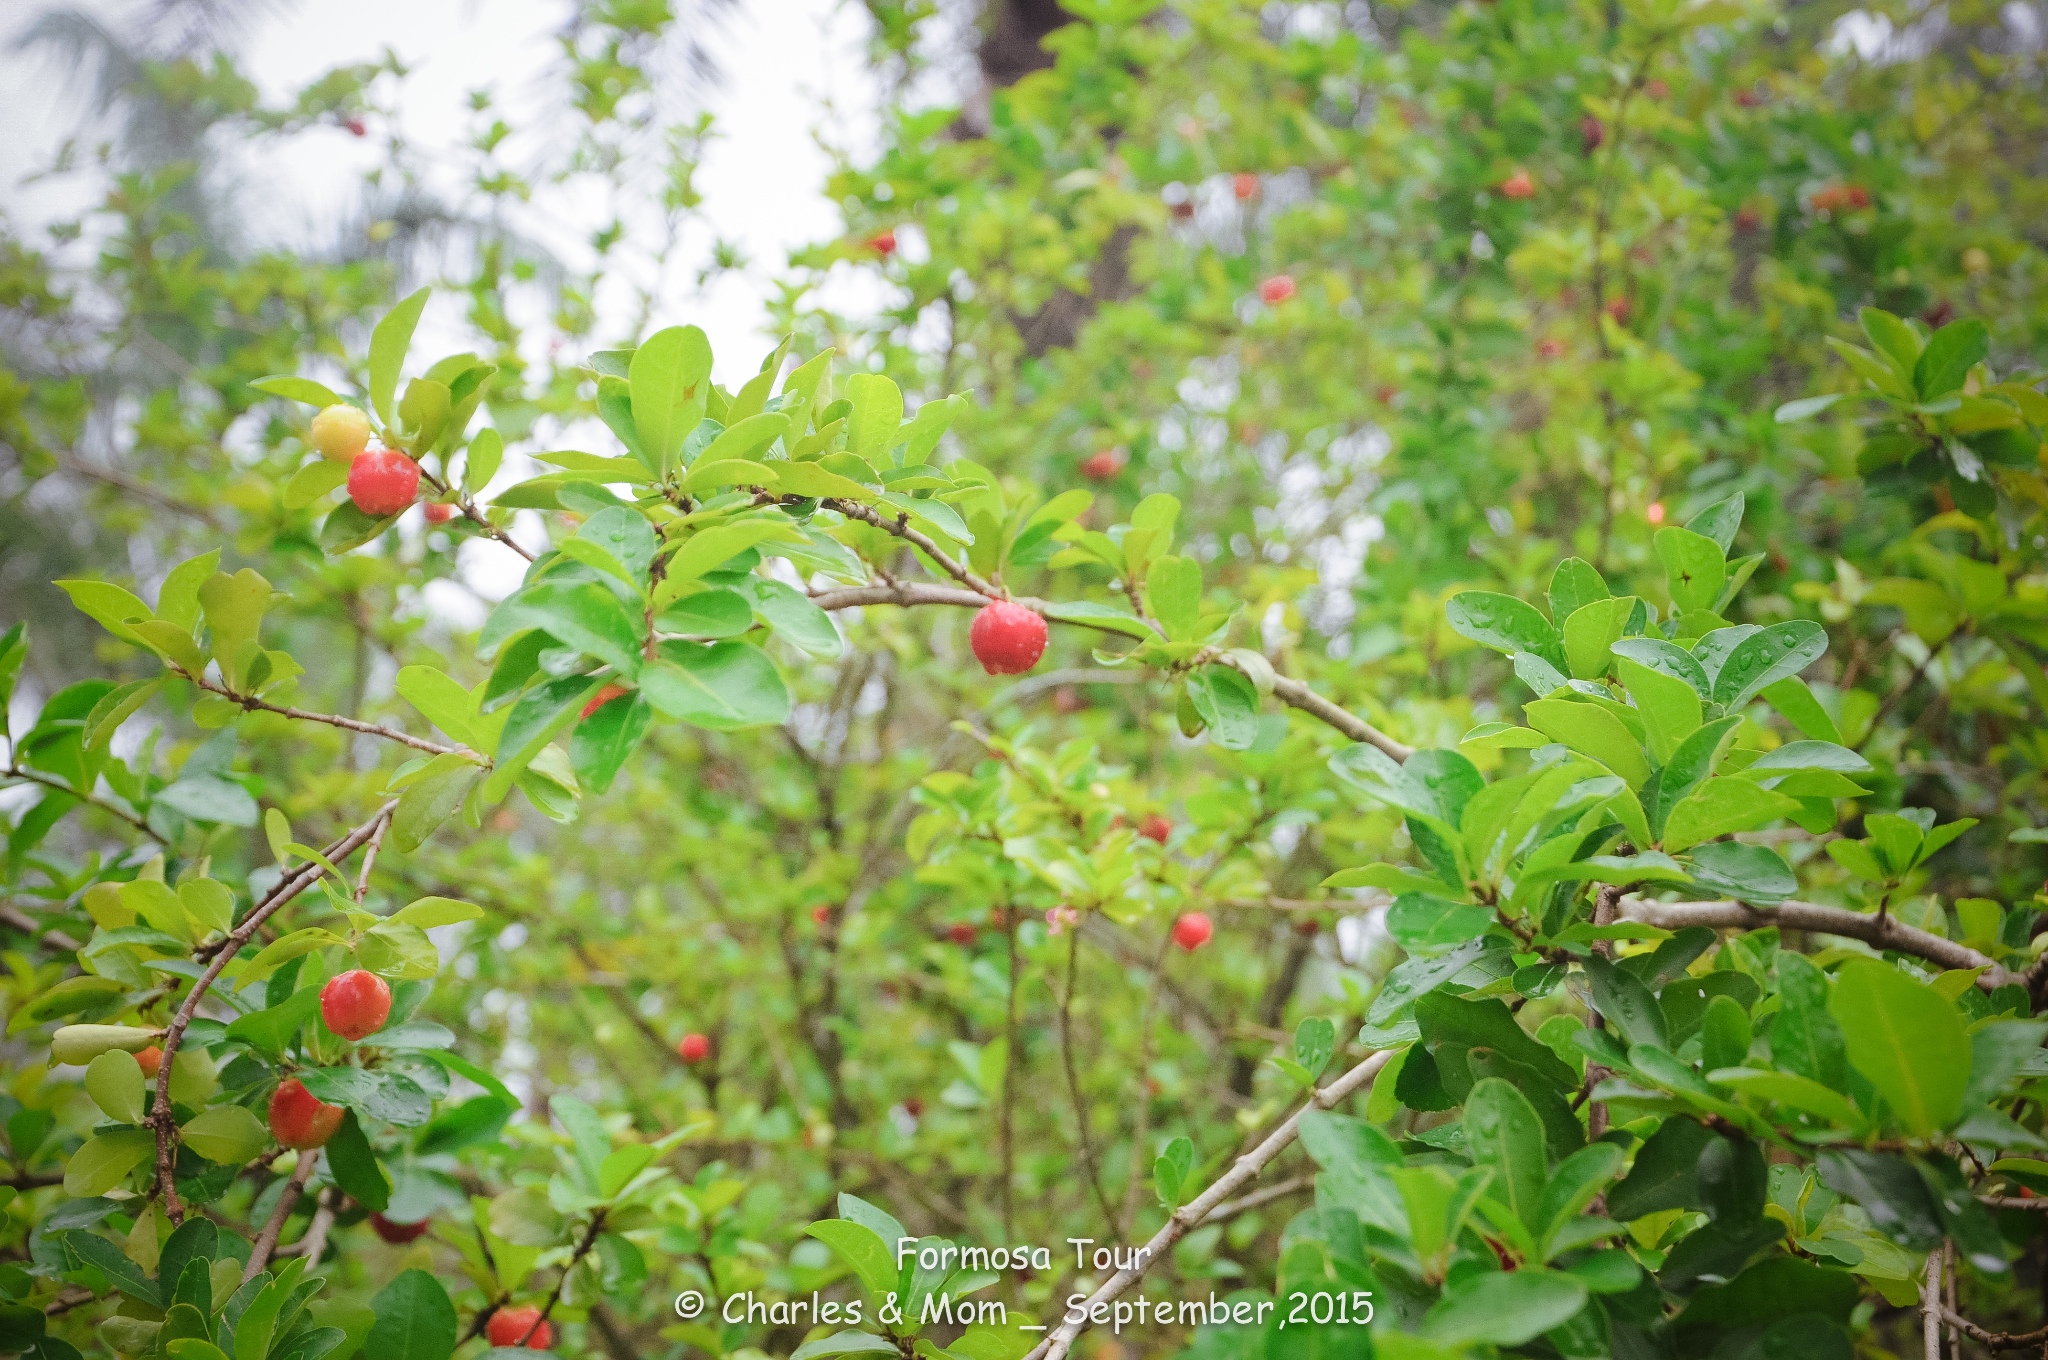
(1856, 196)
(1277, 289)
(356, 126)
(439, 512)
(1007, 638)
(398, 1234)
(1592, 132)
(522, 1326)
(356, 1004)
(1245, 185)
(883, 242)
(822, 915)
(1654, 512)
(1518, 185)
(601, 698)
(383, 482)
(1657, 89)
(694, 1048)
(1192, 931)
(1100, 467)
(960, 933)
(914, 1107)
(299, 1120)
(150, 1060)
(1155, 827)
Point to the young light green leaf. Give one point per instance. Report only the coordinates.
(388, 344)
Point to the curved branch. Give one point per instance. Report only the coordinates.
(92, 800)
(1197, 1211)
(251, 702)
(289, 887)
(900, 527)
(1886, 932)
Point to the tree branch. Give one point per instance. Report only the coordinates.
(287, 888)
(266, 1241)
(1197, 1211)
(251, 702)
(86, 797)
(900, 527)
(1885, 932)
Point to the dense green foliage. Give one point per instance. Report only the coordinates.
(1542, 515)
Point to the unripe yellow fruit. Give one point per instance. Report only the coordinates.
(1976, 261)
(340, 433)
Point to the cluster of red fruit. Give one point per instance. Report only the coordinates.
(381, 481)
(354, 1005)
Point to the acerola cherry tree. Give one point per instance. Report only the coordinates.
(850, 833)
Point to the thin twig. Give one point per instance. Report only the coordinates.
(1196, 1211)
(55, 939)
(1088, 1159)
(161, 1118)
(266, 1241)
(1143, 1126)
(1886, 932)
(900, 527)
(1257, 1198)
(1930, 1308)
(369, 729)
(1997, 1341)
(88, 798)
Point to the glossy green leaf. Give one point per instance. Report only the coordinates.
(1907, 1040)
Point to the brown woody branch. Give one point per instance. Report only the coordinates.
(288, 888)
(254, 704)
(266, 1241)
(86, 796)
(1197, 1211)
(1885, 932)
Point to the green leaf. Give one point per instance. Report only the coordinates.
(1592, 731)
(1170, 1172)
(1951, 353)
(228, 1135)
(1504, 623)
(1719, 521)
(442, 701)
(423, 413)
(1504, 1132)
(1670, 707)
(299, 389)
(1695, 567)
(311, 482)
(1805, 408)
(1228, 703)
(347, 528)
(1627, 1004)
(1720, 807)
(104, 1160)
(1792, 1091)
(388, 344)
(863, 1249)
(426, 913)
(1907, 1040)
(1766, 657)
(709, 614)
(1573, 1186)
(1425, 924)
(724, 686)
(794, 619)
(1795, 702)
(114, 1081)
(1591, 631)
(842, 1343)
(1173, 590)
(669, 380)
(382, 1094)
(601, 742)
(486, 454)
(1666, 1172)
(1504, 1308)
(354, 1166)
(583, 615)
(747, 439)
(1575, 584)
(1890, 1191)
(877, 412)
(431, 799)
(415, 1320)
(542, 714)
(1890, 336)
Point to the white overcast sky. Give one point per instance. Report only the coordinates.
(793, 71)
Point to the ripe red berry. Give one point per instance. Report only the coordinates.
(694, 1048)
(960, 933)
(1518, 185)
(1277, 289)
(1550, 348)
(1102, 466)
(602, 697)
(339, 432)
(1592, 132)
(398, 1234)
(356, 126)
(439, 512)
(1155, 827)
(383, 482)
(822, 915)
(1856, 196)
(356, 1004)
(150, 1060)
(914, 1107)
(1007, 638)
(300, 1120)
(521, 1326)
(1654, 512)
(1192, 931)
(1245, 185)
(883, 242)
